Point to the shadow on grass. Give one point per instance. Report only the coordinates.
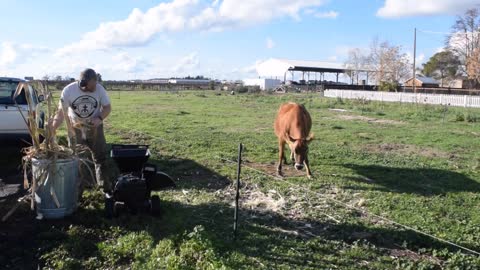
(275, 240)
(421, 181)
(266, 236)
(189, 174)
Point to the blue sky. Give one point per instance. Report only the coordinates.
(219, 38)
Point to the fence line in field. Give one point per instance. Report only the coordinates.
(421, 98)
(337, 202)
(360, 210)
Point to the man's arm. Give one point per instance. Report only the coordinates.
(105, 111)
(58, 118)
(97, 121)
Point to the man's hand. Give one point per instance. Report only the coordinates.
(97, 121)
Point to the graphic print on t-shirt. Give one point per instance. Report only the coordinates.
(84, 106)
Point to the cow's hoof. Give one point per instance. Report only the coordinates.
(279, 174)
(310, 176)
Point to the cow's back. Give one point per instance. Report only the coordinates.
(292, 119)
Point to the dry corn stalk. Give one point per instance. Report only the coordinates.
(49, 150)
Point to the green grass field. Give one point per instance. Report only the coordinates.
(414, 164)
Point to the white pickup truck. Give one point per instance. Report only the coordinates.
(12, 124)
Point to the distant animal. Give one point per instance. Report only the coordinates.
(292, 126)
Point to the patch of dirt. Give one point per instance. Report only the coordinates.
(338, 110)
(406, 149)
(271, 169)
(398, 253)
(370, 119)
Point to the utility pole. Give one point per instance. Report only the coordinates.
(414, 56)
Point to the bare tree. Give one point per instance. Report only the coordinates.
(389, 63)
(464, 41)
(473, 67)
(46, 78)
(355, 63)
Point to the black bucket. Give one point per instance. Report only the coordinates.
(130, 158)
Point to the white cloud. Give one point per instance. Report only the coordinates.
(13, 53)
(343, 50)
(270, 43)
(404, 8)
(419, 59)
(310, 11)
(332, 58)
(249, 71)
(252, 68)
(327, 15)
(187, 64)
(139, 27)
(124, 62)
(8, 54)
(323, 15)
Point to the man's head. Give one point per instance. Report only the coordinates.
(88, 80)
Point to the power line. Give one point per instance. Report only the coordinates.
(433, 32)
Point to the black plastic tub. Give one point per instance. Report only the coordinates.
(130, 158)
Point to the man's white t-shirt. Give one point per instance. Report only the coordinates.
(84, 106)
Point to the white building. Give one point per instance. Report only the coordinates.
(189, 81)
(264, 84)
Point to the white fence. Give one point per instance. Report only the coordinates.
(450, 100)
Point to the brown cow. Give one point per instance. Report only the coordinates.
(292, 125)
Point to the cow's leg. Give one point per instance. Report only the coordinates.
(281, 156)
(307, 167)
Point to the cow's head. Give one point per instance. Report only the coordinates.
(299, 148)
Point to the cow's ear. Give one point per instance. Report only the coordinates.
(310, 137)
